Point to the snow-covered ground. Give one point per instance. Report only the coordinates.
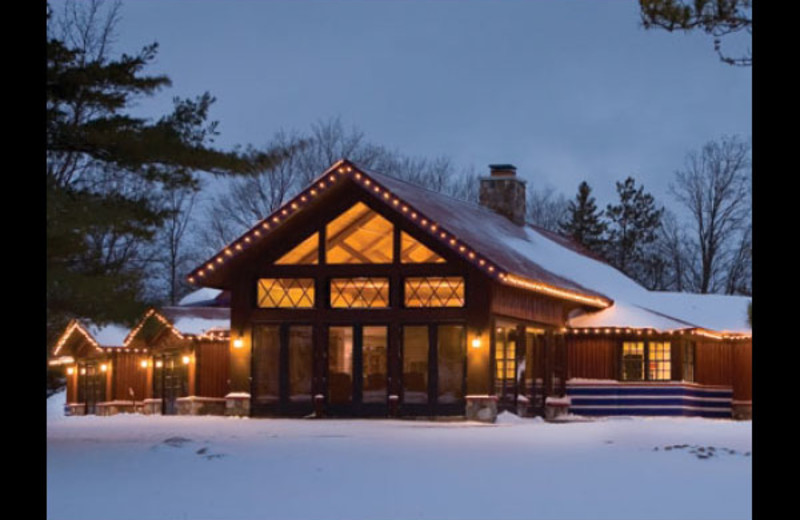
(136, 467)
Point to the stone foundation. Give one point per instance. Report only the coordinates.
(115, 407)
(237, 404)
(74, 409)
(194, 405)
(481, 408)
(151, 407)
(742, 410)
(555, 407)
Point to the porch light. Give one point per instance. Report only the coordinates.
(143, 364)
(476, 342)
(238, 343)
(70, 371)
(103, 367)
(186, 360)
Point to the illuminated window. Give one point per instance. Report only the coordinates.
(304, 253)
(659, 361)
(359, 236)
(633, 361)
(688, 361)
(505, 353)
(413, 252)
(286, 293)
(434, 291)
(359, 292)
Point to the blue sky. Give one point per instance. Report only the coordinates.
(565, 90)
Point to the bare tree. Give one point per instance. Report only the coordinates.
(714, 186)
(739, 277)
(546, 208)
(175, 254)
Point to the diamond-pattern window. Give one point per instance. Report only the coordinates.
(433, 291)
(286, 293)
(413, 252)
(359, 293)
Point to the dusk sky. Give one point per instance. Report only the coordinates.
(566, 90)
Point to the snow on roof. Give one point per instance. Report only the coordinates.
(198, 320)
(206, 294)
(111, 335)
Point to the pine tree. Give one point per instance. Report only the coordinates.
(633, 228)
(584, 223)
(107, 171)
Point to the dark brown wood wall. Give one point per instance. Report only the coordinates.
(714, 363)
(526, 305)
(742, 370)
(211, 368)
(128, 373)
(592, 357)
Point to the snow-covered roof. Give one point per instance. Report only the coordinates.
(205, 295)
(198, 320)
(111, 335)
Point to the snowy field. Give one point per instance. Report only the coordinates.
(136, 467)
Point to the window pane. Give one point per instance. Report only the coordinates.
(304, 253)
(451, 352)
(340, 365)
(301, 363)
(660, 364)
(359, 292)
(415, 364)
(434, 291)
(632, 361)
(266, 364)
(287, 293)
(413, 252)
(359, 236)
(374, 363)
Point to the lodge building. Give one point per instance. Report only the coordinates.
(367, 296)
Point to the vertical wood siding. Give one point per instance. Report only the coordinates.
(742, 370)
(714, 361)
(522, 304)
(212, 368)
(128, 373)
(591, 357)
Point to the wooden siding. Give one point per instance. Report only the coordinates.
(526, 305)
(211, 368)
(592, 357)
(714, 363)
(127, 373)
(742, 370)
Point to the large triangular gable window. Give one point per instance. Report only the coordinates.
(359, 236)
(413, 252)
(305, 253)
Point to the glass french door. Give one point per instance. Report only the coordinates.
(357, 369)
(170, 381)
(506, 380)
(283, 369)
(91, 386)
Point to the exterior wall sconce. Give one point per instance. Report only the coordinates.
(476, 342)
(159, 364)
(238, 343)
(83, 371)
(186, 360)
(143, 364)
(103, 367)
(70, 371)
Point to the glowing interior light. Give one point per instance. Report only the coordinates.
(159, 364)
(83, 371)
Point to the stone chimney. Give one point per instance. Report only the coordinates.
(504, 193)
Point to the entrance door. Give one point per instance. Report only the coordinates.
(170, 381)
(92, 387)
(283, 369)
(357, 378)
(505, 353)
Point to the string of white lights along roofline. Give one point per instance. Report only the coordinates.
(650, 331)
(341, 170)
(212, 335)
